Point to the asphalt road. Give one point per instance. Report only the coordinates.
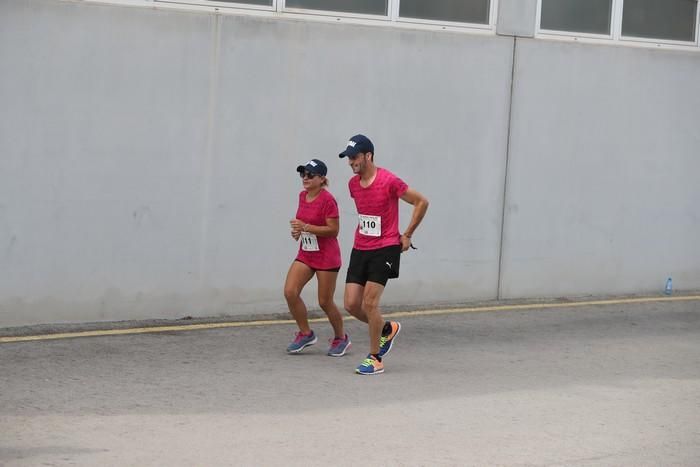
(615, 385)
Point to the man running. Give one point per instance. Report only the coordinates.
(378, 245)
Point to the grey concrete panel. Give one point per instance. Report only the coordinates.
(147, 159)
(102, 131)
(122, 201)
(517, 18)
(435, 105)
(602, 193)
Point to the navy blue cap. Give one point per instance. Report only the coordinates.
(314, 166)
(357, 144)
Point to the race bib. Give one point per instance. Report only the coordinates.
(371, 225)
(309, 242)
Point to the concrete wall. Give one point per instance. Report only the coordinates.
(603, 194)
(147, 159)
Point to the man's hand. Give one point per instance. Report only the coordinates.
(420, 207)
(405, 243)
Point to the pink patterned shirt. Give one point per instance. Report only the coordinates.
(318, 252)
(378, 210)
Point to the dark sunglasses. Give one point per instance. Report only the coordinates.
(308, 175)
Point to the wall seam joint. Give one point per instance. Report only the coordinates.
(505, 173)
(207, 163)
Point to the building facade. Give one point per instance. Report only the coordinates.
(148, 148)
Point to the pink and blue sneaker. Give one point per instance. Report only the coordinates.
(339, 346)
(301, 341)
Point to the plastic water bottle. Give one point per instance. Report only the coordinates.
(669, 287)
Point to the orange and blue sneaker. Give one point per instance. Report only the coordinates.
(301, 341)
(339, 345)
(370, 366)
(385, 342)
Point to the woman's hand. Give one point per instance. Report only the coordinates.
(297, 226)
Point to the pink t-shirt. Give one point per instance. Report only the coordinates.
(378, 210)
(318, 252)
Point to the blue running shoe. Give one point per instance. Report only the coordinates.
(339, 346)
(386, 342)
(301, 341)
(370, 366)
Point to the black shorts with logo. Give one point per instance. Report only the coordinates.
(374, 265)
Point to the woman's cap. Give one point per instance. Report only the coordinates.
(314, 166)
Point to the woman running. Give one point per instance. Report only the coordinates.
(316, 225)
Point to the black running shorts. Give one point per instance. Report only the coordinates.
(374, 265)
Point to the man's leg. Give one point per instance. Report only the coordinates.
(370, 305)
(353, 300)
(384, 265)
(372, 365)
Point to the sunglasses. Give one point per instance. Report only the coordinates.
(308, 175)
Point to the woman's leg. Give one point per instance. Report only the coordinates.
(326, 291)
(297, 277)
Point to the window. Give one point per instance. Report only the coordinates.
(585, 16)
(249, 2)
(446, 14)
(464, 11)
(367, 7)
(660, 19)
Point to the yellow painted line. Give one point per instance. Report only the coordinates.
(154, 329)
(445, 311)
(534, 306)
